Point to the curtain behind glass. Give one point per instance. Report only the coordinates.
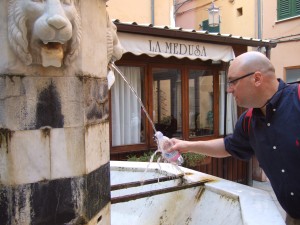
(126, 110)
(231, 108)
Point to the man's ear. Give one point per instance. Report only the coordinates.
(258, 78)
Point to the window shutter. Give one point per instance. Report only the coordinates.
(297, 7)
(287, 8)
(284, 9)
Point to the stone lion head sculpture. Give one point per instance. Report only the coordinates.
(114, 47)
(44, 32)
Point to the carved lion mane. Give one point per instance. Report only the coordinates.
(46, 32)
(114, 47)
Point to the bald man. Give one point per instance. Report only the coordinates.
(272, 133)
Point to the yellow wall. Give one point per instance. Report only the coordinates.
(194, 12)
(140, 11)
(232, 23)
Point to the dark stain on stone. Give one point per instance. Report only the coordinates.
(11, 79)
(5, 137)
(48, 112)
(96, 98)
(98, 190)
(4, 216)
(96, 112)
(106, 108)
(46, 132)
(52, 202)
(103, 91)
(73, 200)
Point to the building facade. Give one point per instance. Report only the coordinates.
(237, 17)
(275, 20)
(281, 23)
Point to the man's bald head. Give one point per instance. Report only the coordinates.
(251, 62)
(252, 80)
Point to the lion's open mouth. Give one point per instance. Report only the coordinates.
(52, 54)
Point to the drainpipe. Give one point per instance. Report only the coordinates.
(259, 27)
(259, 19)
(268, 52)
(152, 12)
(174, 14)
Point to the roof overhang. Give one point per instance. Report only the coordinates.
(164, 37)
(192, 35)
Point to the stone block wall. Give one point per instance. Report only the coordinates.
(54, 119)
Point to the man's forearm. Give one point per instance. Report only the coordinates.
(214, 148)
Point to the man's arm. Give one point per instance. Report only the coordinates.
(214, 148)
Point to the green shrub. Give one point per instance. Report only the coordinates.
(190, 159)
(145, 157)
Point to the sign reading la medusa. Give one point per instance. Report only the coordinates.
(175, 48)
(167, 47)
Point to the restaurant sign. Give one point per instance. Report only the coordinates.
(176, 48)
(167, 47)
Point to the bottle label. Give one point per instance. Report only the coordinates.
(172, 156)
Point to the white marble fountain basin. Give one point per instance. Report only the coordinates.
(217, 202)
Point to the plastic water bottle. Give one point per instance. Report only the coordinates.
(165, 144)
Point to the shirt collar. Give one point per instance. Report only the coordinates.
(275, 98)
(272, 102)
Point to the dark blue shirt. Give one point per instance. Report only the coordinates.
(275, 141)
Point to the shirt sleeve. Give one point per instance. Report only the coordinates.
(238, 144)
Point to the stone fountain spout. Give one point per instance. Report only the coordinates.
(47, 37)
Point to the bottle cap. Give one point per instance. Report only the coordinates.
(159, 135)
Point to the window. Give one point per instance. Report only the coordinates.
(167, 107)
(184, 101)
(287, 8)
(292, 75)
(239, 11)
(201, 115)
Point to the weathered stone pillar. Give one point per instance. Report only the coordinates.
(54, 130)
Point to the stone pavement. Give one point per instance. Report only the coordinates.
(266, 186)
